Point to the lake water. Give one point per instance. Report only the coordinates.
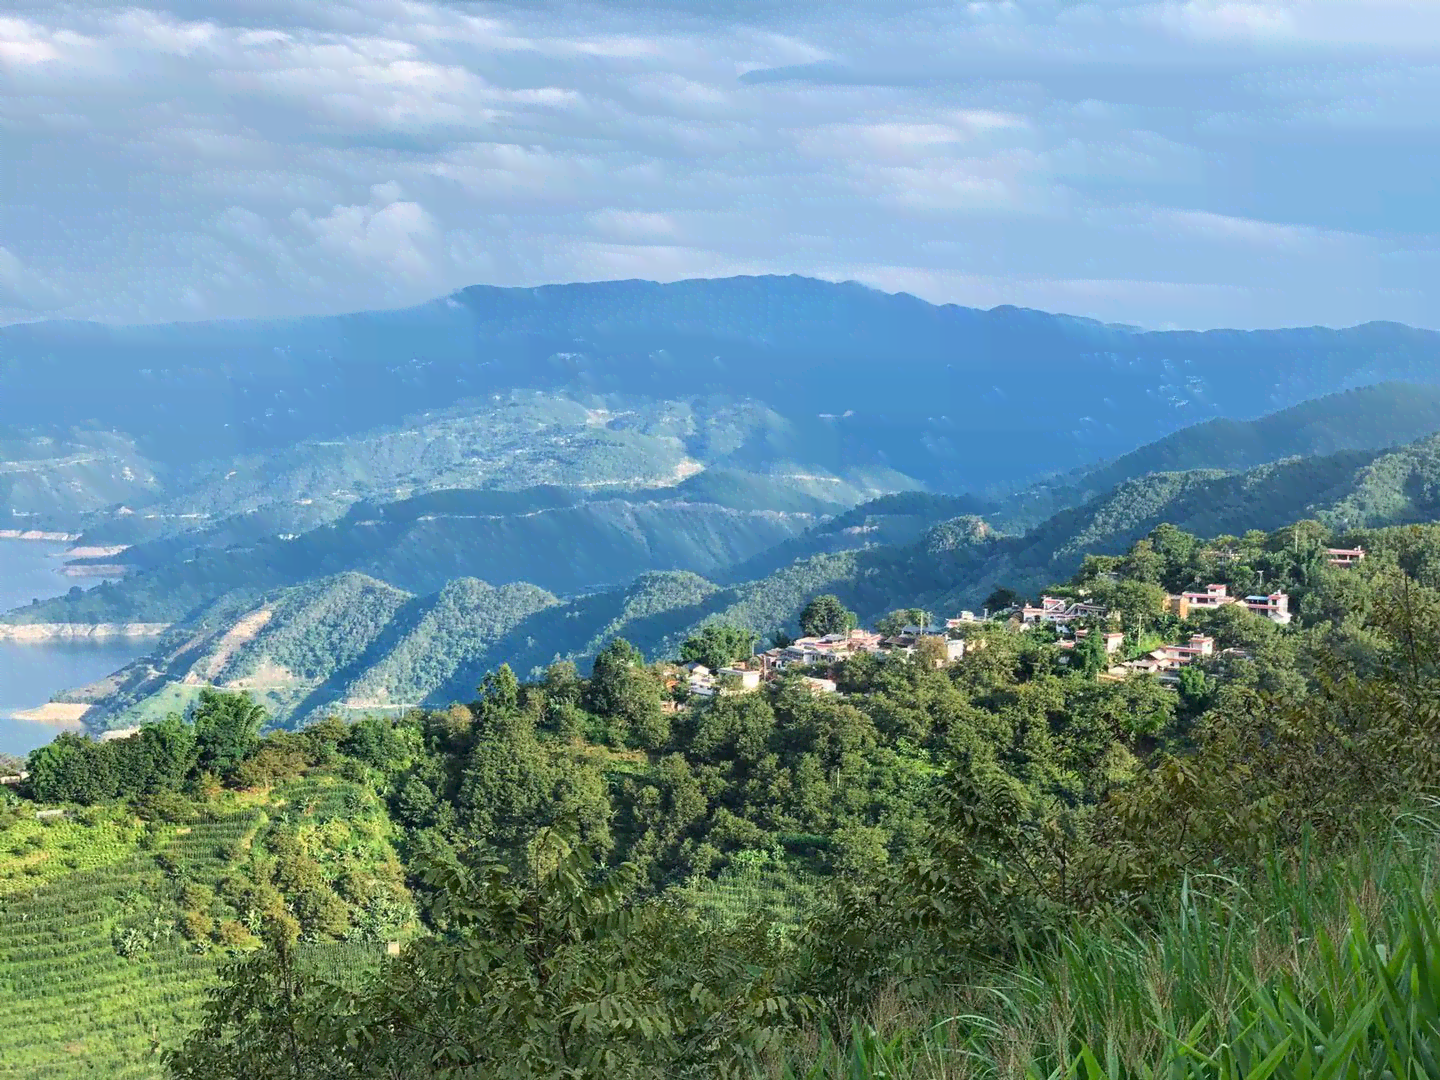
(31, 674)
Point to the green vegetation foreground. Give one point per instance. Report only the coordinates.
(998, 867)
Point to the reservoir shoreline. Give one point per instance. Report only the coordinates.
(39, 633)
(39, 535)
(39, 662)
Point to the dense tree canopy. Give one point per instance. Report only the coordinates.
(827, 615)
(221, 737)
(718, 645)
(578, 846)
(227, 730)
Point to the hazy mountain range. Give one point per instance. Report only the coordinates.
(357, 641)
(373, 510)
(837, 376)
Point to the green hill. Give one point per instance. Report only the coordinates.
(889, 520)
(347, 642)
(1368, 418)
(352, 637)
(560, 540)
(439, 649)
(956, 565)
(54, 480)
(585, 443)
(1229, 877)
(105, 919)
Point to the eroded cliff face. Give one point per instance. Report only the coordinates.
(40, 632)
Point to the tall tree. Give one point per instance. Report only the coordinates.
(718, 645)
(72, 768)
(827, 615)
(896, 621)
(553, 972)
(227, 730)
(1088, 657)
(628, 695)
(167, 751)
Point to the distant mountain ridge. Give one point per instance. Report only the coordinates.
(862, 377)
(550, 537)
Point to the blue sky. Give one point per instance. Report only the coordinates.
(1184, 163)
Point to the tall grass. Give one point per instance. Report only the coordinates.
(1314, 969)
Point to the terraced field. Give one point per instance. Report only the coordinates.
(70, 1004)
(96, 979)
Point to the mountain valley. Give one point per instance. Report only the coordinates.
(549, 505)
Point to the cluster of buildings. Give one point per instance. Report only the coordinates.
(1114, 640)
(1273, 606)
(832, 648)
(1166, 661)
(1059, 611)
(1163, 662)
(826, 651)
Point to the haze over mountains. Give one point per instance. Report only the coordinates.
(374, 509)
(856, 377)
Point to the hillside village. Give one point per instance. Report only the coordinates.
(1073, 620)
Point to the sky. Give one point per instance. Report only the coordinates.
(1181, 163)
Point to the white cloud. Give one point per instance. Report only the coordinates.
(23, 43)
(23, 291)
(1408, 25)
(1230, 19)
(393, 235)
(1209, 161)
(1265, 235)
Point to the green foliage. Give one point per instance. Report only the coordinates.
(107, 962)
(827, 615)
(1194, 688)
(227, 730)
(1370, 417)
(924, 833)
(434, 650)
(896, 621)
(1311, 967)
(623, 690)
(718, 645)
(73, 768)
(548, 973)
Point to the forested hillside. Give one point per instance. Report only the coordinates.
(347, 643)
(275, 396)
(1367, 418)
(604, 874)
(560, 540)
(959, 564)
(952, 565)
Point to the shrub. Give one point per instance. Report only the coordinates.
(233, 935)
(196, 925)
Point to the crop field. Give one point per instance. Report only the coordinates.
(96, 977)
(757, 884)
(35, 851)
(71, 1005)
